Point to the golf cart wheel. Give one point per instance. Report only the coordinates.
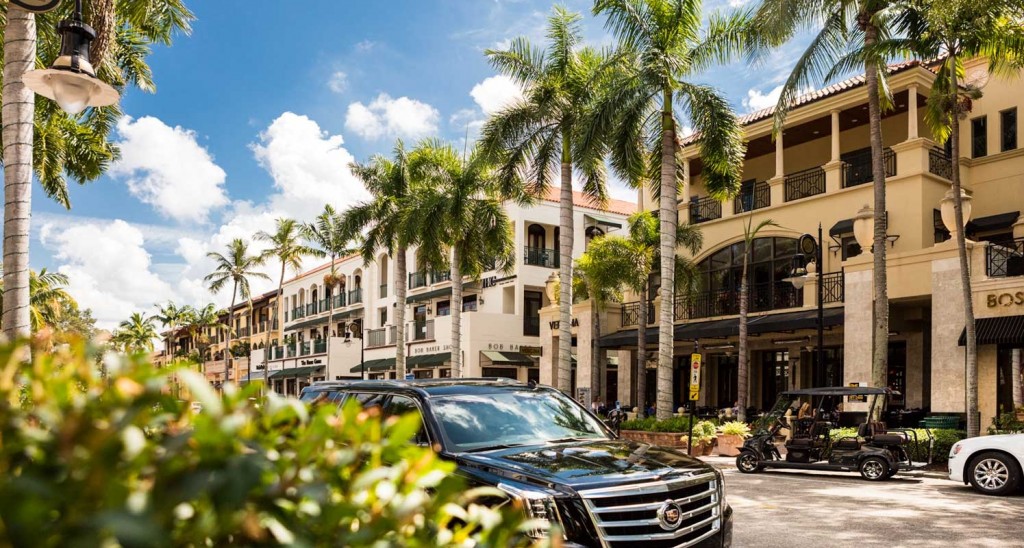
(994, 474)
(874, 469)
(746, 463)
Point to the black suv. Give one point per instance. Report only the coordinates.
(563, 463)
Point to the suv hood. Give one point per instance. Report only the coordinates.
(585, 464)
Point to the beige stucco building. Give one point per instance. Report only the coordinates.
(818, 171)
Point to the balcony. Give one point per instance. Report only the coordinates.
(242, 332)
(339, 300)
(439, 276)
(631, 313)
(298, 312)
(291, 350)
(857, 166)
(538, 256)
(278, 353)
(376, 338)
(325, 304)
(310, 309)
(752, 196)
(833, 287)
(355, 296)
(804, 184)
(383, 291)
(422, 330)
(1006, 259)
(304, 348)
(320, 346)
(761, 298)
(704, 209)
(940, 164)
(417, 280)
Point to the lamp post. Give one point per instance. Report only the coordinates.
(800, 273)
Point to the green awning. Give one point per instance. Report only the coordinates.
(297, 372)
(428, 360)
(507, 358)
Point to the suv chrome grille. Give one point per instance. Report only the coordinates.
(629, 514)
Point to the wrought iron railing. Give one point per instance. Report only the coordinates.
(704, 209)
(857, 166)
(320, 346)
(538, 256)
(832, 287)
(242, 332)
(1005, 259)
(355, 296)
(755, 196)
(439, 276)
(339, 300)
(631, 313)
(393, 334)
(278, 352)
(939, 163)
(298, 312)
(422, 330)
(304, 348)
(310, 309)
(761, 298)
(325, 304)
(291, 350)
(804, 184)
(417, 280)
(376, 337)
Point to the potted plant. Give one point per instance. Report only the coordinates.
(731, 438)
(703, 438)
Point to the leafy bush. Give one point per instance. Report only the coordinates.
(1006, 423)
(944, 440)
(736, 428)
(106, 455)
(672, 424)
(704, 431)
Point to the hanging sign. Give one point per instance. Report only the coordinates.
(695, 360)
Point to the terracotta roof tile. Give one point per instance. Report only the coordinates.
(579, 199)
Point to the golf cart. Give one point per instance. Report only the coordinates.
(876, 452)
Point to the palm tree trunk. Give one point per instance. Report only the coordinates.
(880, 348)
(400, 285)
(743, 369)
(227, 347)
(595, 351)
(669, 217)
(17, 112)
(641, 353)
(330, 312)
(456, 313)
(564, 379)
(973, 418)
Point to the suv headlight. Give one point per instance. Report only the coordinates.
(540, 507)
(721, 492)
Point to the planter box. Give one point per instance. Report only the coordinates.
(729, 446)
(664, 439)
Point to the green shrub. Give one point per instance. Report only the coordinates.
(104, 456)
(704, 431)
(736, 428)
(1006, 423)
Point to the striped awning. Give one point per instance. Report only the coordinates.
(1004, 330)
(507, 358)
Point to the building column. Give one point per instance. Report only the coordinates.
(835, 136)
(858, 322)
(777, 183)
(586, 360)
(625, 377)
(684, 193)
(912, 112)
(915, 370)
(834, 167)
(947, 323)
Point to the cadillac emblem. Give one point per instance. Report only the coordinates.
(670, 515)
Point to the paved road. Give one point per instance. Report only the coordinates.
(809, 509)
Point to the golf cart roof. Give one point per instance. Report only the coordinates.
(838, 391)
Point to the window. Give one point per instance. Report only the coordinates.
(535, 236)
(941, 234)
(444, 308)
(1008, 129)
(367, 400)
(383, 316)
(771, 262)
(979, 137)
(469, 303)
(850, 247)
(532, 302)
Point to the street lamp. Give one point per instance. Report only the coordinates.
(71, 80)
(801, 272)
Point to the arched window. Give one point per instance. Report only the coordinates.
(535, 236)
(769, 264)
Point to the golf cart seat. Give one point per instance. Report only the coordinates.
(871, 429)
(887, 439)
(851, 444)
(800, 442)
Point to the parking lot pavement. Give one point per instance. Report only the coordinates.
(790, 508)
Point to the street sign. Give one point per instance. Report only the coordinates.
(695, 360)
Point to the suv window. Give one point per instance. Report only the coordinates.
(366, 399)
(404, 405)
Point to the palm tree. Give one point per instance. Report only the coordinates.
(44, 141)
(286, 246)
(199, 323)
(171, 316)
(458, 216)
(542, 135)
(48, 299)
(665, 44)
(955, 30)
(377, 224)
(136, 334)
(328, 234)
(237, 267)
(597, 276)
(851, 31)
(750, 233)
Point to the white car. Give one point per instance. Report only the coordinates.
(992, 464)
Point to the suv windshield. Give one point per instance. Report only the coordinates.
(503, 419)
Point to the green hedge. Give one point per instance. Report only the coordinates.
(103, 451)
(651, 424)
(944, 440)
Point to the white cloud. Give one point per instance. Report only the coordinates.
(166, 168)
(309, 167)
(756, 100)
(737, 3)
(338, 82)
(495, 93)
(389, 117)
(108, 267)
(365, 45)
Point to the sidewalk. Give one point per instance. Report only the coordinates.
(935, 471)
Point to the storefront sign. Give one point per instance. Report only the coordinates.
(515, 347)
(554, 325)
(495, 281)
(260, 367)
(1005, 299)
(695, 360)
(432, 349)
(311, 362)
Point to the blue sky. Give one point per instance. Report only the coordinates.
(257, 113)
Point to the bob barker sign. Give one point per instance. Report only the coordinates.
(1005, 299)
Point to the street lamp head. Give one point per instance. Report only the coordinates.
(36, 6)
(864, 227)
(71, 80)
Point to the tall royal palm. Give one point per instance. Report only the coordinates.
(287, 246)
(846, 26)
(327, 234)
(42, 140)
(957, 30)
(665, 45)
(237, 267)
(378, 226)
(200, 323)
(541, 135)
(171, 316)
(136, 334)
(458, 216)
(750, 232)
